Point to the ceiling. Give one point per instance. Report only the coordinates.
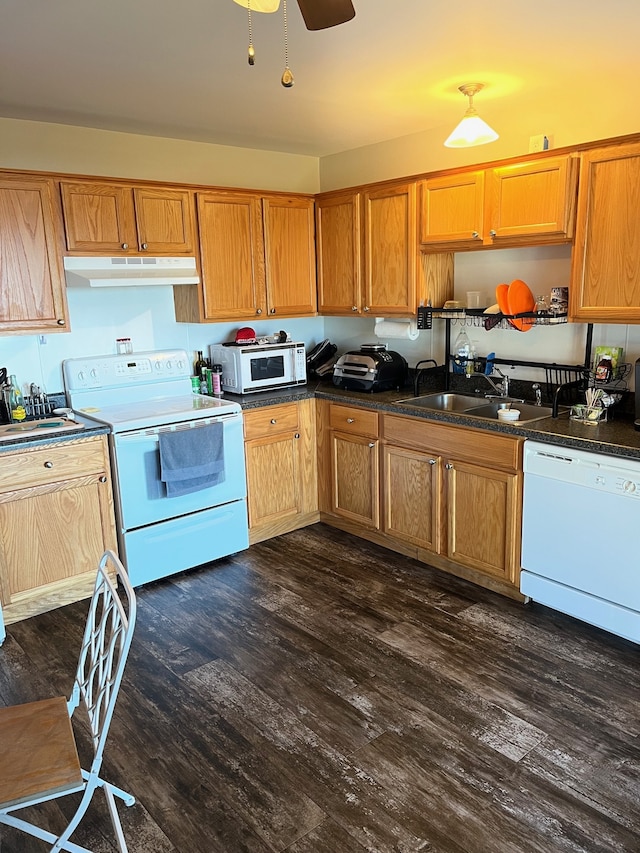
(179, 69)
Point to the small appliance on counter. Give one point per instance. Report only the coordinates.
(260, 366)
(371, 368)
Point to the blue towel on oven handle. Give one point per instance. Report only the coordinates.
(192, 459)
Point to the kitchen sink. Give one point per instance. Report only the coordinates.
(476, 407)
(443, 402)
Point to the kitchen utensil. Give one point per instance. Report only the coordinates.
(521, 300)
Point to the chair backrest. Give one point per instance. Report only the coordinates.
(105, 646)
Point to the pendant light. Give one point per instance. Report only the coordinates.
(472, 130)
(260, 5)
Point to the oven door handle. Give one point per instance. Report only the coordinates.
(144, 434)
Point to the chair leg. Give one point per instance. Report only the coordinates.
(43, 834)
(115, 819)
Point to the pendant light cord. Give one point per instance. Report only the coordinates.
(251, 56)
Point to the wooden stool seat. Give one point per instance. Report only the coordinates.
(38, 752)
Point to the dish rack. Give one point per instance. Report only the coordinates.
(476, 317)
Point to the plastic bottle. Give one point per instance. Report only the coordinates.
(216, 380)
(461, 352)
(17, 411)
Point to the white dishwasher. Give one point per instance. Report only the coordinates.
(581, 520)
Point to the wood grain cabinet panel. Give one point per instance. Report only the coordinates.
(122, 219)
(412, 496)
(515, 204)
(339, 250)
(32, 289)
(355, 479)
(282, 485)
(605, 275)
(290, 256)
(55, 527)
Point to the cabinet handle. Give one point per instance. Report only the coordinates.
(366, 308)
(432, 462)
(258, 310)
(475, 235)
(273, 311)
(60, 322)
(354, 307)
(48, 464)
(372, 444)
(492, 233)
(274, 421)
(449, 466)
(125, 245)
(144, 246)
(296, 435)
(103, 479)
(351, 420)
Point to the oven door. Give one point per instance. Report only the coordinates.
(141, 494)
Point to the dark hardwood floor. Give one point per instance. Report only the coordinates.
(318, 694)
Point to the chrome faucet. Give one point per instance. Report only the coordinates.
(501, 388)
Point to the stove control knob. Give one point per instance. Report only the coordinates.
(629, 487)
(94, 373)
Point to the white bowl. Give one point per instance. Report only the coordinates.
(508, 414)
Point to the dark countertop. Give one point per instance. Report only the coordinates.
(54, 438)
(616, 437)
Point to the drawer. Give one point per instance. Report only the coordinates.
(33, 467)
(353, 419)
(272, 420)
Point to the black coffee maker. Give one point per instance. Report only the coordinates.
(636, 423)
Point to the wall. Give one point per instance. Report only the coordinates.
(82, 150)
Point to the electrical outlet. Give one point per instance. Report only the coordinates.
(541, 142)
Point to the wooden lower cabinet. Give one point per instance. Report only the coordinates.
(281, 468)
(54, 525)
(443, 494)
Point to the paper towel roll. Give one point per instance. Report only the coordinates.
(403, 329)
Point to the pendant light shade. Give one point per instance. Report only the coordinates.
(260, 5)
(472, 130)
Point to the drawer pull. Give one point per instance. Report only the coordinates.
(372, 444)
(351, 420)
(432, 462)
(48, 464)
(449, 466)
(296, 435)
(274, 421)
(103, 479)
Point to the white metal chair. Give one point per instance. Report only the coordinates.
(38, 755)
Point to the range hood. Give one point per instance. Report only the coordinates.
(129, 272)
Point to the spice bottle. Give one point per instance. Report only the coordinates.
(604, 370)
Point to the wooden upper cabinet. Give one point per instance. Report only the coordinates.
(531, 200)
(120, 219)
(452, 210)
(605, 275)
(32, 290)
(232, 255)
(529, 203)
(165, 220)
(338, 240)
(390, 250)
(289, 240)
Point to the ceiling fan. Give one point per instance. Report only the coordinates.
(317, 14)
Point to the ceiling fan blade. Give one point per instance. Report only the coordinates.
(322, 14)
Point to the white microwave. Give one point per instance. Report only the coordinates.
(258, 367)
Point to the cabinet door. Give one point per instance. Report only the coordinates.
(452, 210)
(605, 275)
(273, 478)
(232, 254)
(354, 471)
(99, 217)
(32, 290)
(339, 254)
(484, 519)
(412, 497)
(532, 200)
(390, 250)
(165, 220)
(290, 256)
